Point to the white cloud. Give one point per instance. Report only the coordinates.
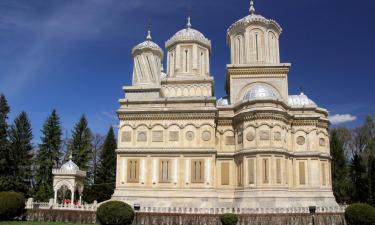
(341, 118)
(110, 115)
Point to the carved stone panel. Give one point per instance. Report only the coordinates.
(250, 136)
(277, 136)
(174, 135)
(240, 138)
(322, 142)
(229, 140)
(126, 136)
(301, 140)
(189, 135)
(142, 136)
(206, 136)
(157, 136)
(264, 135)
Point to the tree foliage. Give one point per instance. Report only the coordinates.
(20, 137)
(5, 172)
(48, 156)
(339, 168)
(80, 144)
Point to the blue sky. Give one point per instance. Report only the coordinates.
(75, 55)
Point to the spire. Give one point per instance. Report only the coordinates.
(149, 38)
(252, 9)
(70, 157)
(188, 25)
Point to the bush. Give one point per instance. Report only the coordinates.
(12, 205)
(229, 219)
(115, 213)
(360, 214)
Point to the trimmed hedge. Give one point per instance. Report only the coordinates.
(360, 214)
(12, 205)
(229, 219)
(115, 213)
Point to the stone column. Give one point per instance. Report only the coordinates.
(72, 198)
(55, 198)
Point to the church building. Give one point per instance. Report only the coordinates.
(258, 147)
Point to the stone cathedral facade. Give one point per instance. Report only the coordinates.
(180, 146)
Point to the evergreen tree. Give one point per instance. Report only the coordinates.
(5, 172)
(20, 137)
(339, 168)
(358, 179)
(107, 166)
(48, 157)
(80, 144)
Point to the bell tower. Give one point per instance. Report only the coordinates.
(255, 58)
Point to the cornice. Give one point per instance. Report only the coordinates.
(167, 116)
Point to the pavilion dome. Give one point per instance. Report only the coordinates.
(188, 34)
(70, 166)
(260, 91)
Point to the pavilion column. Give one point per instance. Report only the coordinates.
(72, 199)
(55, 198)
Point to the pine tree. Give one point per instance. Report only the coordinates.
(48, 156)
(339, 168)
(5, 172)
(80, 144)
(358, 179)
(20, 137)
(107, 166)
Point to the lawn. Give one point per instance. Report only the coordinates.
(34, 223)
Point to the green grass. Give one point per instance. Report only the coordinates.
(34, 223)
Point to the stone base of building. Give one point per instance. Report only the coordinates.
(206, 199)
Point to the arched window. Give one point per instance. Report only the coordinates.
(202, 64)
(238, 50)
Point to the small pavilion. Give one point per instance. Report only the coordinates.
(68, 177)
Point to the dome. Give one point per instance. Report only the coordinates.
(148, 45)
(300, 101)
(222, 101)
(70, 166)
(188, 34)
(260, 92)
(252, 18)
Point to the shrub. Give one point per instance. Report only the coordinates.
(115, 213)
(12, 205)
(360, 214)
(229, 219)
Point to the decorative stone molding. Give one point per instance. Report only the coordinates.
(174, 135)
(250, 136)
(277, 136)
(167, 116)
(126, 136)
(264, 135)
(301, 140)
(157, 136)
(322, 142)
(142, 136)
(189, 135)
(206, 136)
